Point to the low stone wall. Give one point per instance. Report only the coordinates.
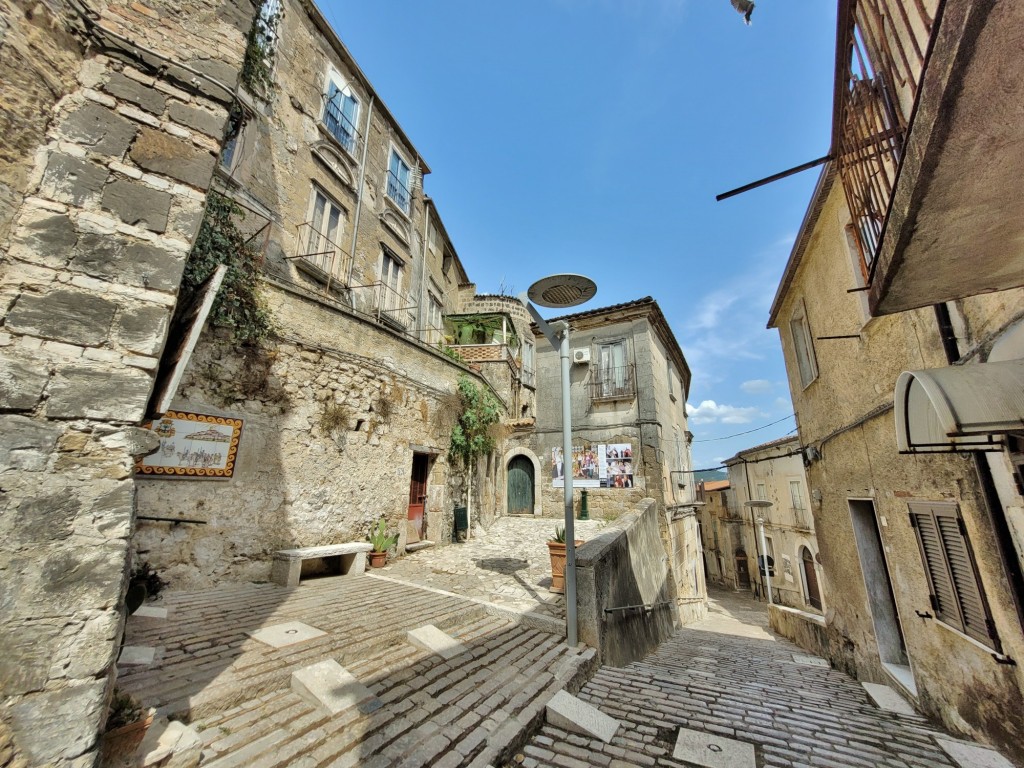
(626, 565)
(805, 629)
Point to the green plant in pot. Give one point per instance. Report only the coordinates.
(556, 550)
(381, 541)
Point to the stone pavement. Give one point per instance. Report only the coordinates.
(728, 677)
(507, 565)
(223, 660)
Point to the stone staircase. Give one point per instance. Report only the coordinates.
(476, 708)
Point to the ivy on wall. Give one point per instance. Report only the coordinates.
(239, 305)
(478, 423)
(257, 66)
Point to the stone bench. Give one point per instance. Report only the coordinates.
(287, 567)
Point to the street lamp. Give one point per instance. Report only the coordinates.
(560, 292)
(762, 508)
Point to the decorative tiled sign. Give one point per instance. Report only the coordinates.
(192, 446)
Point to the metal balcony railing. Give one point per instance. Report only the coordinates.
(319, 251)
(612, 383)
(398, 192)
(340, 127)
(528, 377)
(878, 74)
(392, 307)
(800, 518)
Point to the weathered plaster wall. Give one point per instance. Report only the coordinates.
(844, 415)
(295, 483)
(104, 174)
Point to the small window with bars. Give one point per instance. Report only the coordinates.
(956, 592)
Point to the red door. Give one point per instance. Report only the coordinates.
(417, 496)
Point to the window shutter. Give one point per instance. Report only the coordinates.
(957, 596)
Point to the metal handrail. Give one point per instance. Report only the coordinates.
(392, 305)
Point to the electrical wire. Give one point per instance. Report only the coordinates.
(738, 434)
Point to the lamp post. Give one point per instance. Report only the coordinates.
(762, 507)
(560, 292)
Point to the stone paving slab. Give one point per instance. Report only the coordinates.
(794, 715)
(508, 565)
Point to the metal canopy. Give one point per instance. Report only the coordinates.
(959, 408)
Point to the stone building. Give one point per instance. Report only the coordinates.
(628, 388)
(902, 323)
(774, 472)
(346, 410)
(112, 117)
(714, 517)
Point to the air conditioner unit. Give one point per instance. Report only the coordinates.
(581, 356)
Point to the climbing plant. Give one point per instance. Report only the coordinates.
(474, 432)
(239, 305)
(257, 66)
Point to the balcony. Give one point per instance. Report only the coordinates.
(927, 145)
(485, 353)
(607, 384)
(391, 307)
(340, 127)
(320, 257)
(801, 518)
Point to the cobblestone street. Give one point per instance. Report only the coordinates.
(728, 676)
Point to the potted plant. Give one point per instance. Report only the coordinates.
(381, 541)
(556, 549)
(127, 723)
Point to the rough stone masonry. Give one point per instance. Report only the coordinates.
(112, 121)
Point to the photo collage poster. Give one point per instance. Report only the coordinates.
(597, 465)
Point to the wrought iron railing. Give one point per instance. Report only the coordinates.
(879, 70)
(340, 127)
(398, 191)
(318, 250)
(612, 383)
(392, 306)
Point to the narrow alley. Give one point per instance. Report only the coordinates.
(731, 680)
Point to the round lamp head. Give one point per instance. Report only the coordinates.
(561, 291)
(757, 504)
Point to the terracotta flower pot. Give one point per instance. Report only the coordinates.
(378, 559)
(556, 549)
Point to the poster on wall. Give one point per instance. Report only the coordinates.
(192, 445)
(595, 466)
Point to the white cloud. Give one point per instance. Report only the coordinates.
(757, 386)
(710, 412)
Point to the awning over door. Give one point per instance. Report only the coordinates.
(959, 408)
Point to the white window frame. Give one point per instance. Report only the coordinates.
(394, 152)
(435, 318)
(803, 346)
(335, 78)
(318, 235)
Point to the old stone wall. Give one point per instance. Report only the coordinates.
(624, 567)
(332, 418)
(106, 162)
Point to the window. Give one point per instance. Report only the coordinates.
(398, 181)
(324, 230)
(668, 369)
(955, 590)
(859, 270)
(802, 346)
(435, 325)
(613, 375)
(760, 492)
(341, 112)
(390, 271)
(528, 365)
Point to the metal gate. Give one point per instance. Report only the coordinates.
(520, 486)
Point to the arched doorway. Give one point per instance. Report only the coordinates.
(742, 569)
(810, 578)
(520, 486)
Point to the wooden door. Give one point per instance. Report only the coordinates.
(811, 579)
(520, 486)
(417, 496)
(742, 571)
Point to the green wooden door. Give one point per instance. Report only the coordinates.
(520, 486)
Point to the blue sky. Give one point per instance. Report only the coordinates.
(592, 136)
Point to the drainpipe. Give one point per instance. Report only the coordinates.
(359, 195)
(993, 504)
(422, 322)
(753, 527)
